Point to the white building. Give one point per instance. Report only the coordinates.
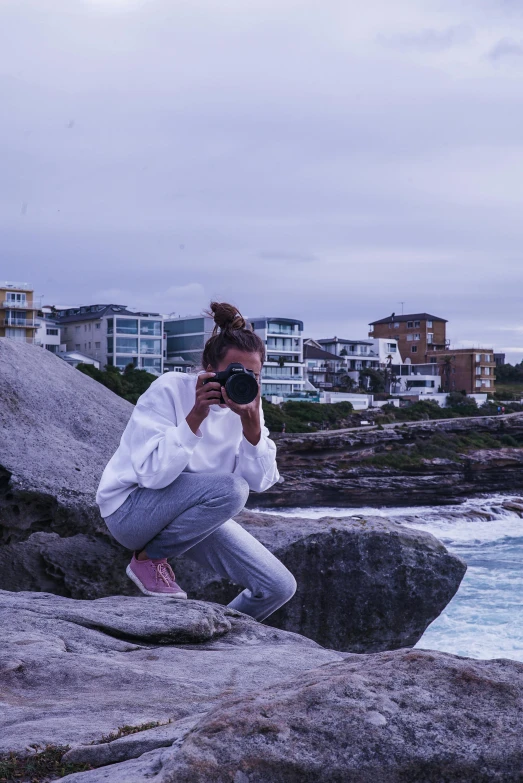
(111, 334)
(283, 372)
(353, 355)
(48, 330)
(385, 348)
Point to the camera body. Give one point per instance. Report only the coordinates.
(240, 384)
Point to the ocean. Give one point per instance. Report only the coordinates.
(485, 617)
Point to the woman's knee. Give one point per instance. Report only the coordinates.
(234, 489)
(284, 585)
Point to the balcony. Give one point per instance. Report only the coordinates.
(18, 305)
(23, 322)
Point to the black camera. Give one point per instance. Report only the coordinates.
(240, 384)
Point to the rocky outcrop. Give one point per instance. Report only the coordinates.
(58, 429)
(336, 468)
(364, 584)
(211, 695)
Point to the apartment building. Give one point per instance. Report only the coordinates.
(283, 372)
(417, 335)
(113, 335)
(18, 312)
(185, 339)
(466, 369)
(48, 330)
(319, 365)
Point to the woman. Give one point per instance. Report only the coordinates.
(184, 467)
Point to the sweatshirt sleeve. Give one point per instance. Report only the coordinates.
(257, 464)
(161, 441)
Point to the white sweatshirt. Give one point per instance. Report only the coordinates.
(158, 444)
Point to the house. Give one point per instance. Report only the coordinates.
(470, 370)
(417, 334)
(111, 334)
(18, 312)
(48, 330)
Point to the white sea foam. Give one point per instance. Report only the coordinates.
(485, 617)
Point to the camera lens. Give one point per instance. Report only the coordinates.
(242, 388)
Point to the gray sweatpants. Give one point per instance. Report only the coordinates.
(191, 517)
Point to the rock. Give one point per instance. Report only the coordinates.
(58, 429)
(72, 672)
(392, 717)
(364, 584)
(332, 468)
(395, 717)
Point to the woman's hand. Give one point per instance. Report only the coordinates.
(249, 414)
(206, 394)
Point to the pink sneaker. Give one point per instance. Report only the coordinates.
(154, 577)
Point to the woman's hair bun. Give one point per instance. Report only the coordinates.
(226, 316)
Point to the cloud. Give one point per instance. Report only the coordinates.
(506, 47)
(430, 39)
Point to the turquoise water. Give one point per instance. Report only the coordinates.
(485, 617)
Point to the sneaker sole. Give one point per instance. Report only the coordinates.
(132, 576)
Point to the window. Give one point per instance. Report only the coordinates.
(98, 326)
(429, 324)
(110, 344)
(77, 329)
(478, 370)
(85, 327)
(65, 331)
(190, 326)
(78, 346)
(390, 326)
(430, 338)
(486, 370)
(410, 324)
(486, 384)
(417, 336)
(396, 325)
(153, 364)
(127, 326)
(433, 360)
(478, 357)
(122, 361)
(410, 337)
(97, 345)
(90, 327)
(126, 345)
(189, 343)
(478, 384)
(417, 324)
(52, 331)
(392, 347)
(414, 349)
(89, 346)
(110, 325)
(150, 346)
(153, 328)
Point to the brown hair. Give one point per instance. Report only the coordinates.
(231, 330)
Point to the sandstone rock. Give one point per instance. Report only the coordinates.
(395, 717)
(74, 671)
(364, 584)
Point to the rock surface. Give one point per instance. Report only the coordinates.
(74, 671)
(58, 429)
(331, 468)
(239, 702)
(364, 584)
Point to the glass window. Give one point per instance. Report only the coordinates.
(126, 344)
(110, 323)
(430, 338)
(77, 329)
(127, 325)
(417, 336)
(429, 324)
(150, 363)
(392, 347)
(478, 357)
(416, 324)
(396, 325)
(97, 326)
(414, 349)
(123, 361)
(410, 324)
(150, 346)
(410, 337)
(154, 328)
(110, 345)
(276, 328)
(78, 346)
(478, 384)
(97, 345)
(486, 370)
(187, 343)
(433, 360)
(478, 370)
(52, 331)
(189, 326)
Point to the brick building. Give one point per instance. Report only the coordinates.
(418, 334)
(466, 369)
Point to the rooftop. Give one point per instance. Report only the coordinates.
(408, 317)
(311, 352)
(97, 311)
(327, 340)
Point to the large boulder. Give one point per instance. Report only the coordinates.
(58, 429)
(140, 689)
(364, 584)
(73, 671)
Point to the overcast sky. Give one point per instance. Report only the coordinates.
(318, 160)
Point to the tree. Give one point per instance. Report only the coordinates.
(446, 370)
(376, 379)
